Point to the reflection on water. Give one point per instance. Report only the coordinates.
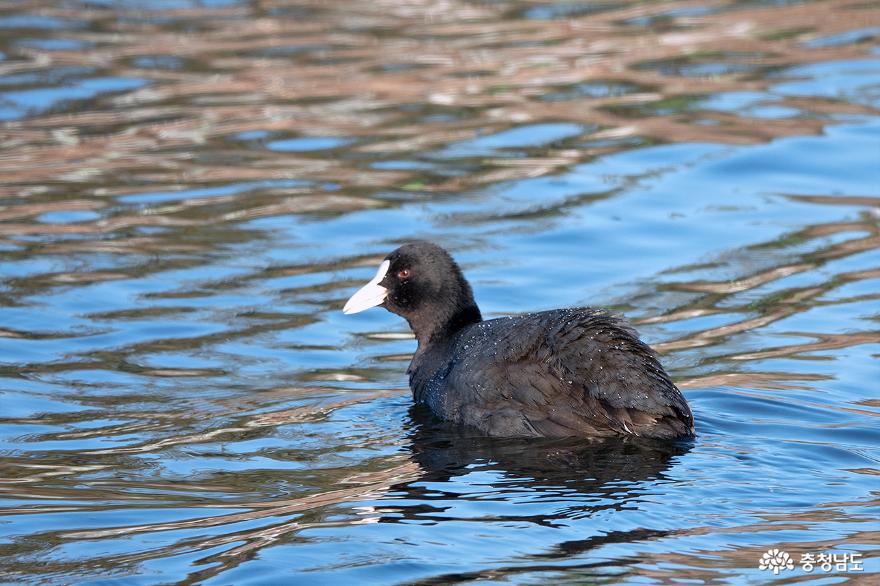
(192, 189)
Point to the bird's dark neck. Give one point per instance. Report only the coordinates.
(438, 324)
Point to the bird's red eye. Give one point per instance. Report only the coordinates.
(403, 274)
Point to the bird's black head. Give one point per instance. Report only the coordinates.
(421, 283)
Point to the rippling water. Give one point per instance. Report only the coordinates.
(191, 189)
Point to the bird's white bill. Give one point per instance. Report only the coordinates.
(371, 294)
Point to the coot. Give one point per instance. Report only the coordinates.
(563, 372)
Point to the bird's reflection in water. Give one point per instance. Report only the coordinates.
(469, 477)
(603, 471)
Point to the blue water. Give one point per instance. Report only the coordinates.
(187, 203)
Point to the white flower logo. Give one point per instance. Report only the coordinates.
(775, 559)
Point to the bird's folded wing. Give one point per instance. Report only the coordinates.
(578, 368)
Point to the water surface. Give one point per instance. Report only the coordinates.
(191, 190)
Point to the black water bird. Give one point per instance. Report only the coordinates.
(558, 373)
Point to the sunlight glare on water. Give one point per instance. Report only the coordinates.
(191, 191)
